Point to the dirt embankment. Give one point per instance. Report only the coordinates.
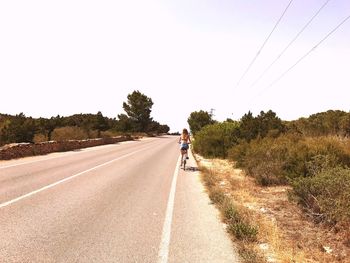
(286, 234)
(19, 150)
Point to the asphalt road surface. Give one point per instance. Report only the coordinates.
(126, 202)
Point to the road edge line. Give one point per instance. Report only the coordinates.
(163, 252)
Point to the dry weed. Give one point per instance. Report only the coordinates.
(285, 233)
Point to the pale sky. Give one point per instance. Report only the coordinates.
(68, 56)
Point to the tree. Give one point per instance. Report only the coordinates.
(265, 124)
(101, 123)
(124, 123)
(138, 108)
(153, 127)
(248, 127)
(88, 122)
(269, 124)
(345, 125)
(163, 128)
(4, 123)
(47, 126)
(18, 129)
(199, 119)
(324, 123)
(156, 127)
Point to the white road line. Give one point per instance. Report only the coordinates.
(35, 161)
(165, 241)
(65, 154)
(68, 178)
(85, 150)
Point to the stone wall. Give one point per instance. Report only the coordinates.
(18, 150)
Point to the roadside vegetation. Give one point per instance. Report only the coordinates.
(311, 156)
(136, 119)
(238, 220)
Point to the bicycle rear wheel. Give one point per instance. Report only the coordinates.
(184, 163)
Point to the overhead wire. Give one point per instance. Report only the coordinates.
(306, 54)
(264, 43)
(289, 44)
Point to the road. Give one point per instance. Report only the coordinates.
(125, 202)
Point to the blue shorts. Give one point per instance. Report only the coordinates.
(184, 146)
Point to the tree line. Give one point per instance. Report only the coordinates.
(249, 127)
(136, 119)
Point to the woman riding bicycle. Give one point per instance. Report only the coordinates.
(184, 141)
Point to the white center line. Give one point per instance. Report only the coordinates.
(69, 178)
(163, 253)
(65, 154)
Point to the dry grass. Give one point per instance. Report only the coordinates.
(285, 233)
(238, 219)
(40, 138)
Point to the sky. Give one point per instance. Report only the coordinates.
(66, 57)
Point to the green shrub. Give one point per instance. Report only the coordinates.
(239, 152)
(277, 160)
(215, 140)
(238, 224)
(326, 195)
(335, 148)
(243, 231)
(269, 160)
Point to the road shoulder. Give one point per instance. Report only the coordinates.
(198, 235)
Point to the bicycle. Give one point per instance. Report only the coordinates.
(184, 157)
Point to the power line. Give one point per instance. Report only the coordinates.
(263, 45)
(290, 43)
(306, 54)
